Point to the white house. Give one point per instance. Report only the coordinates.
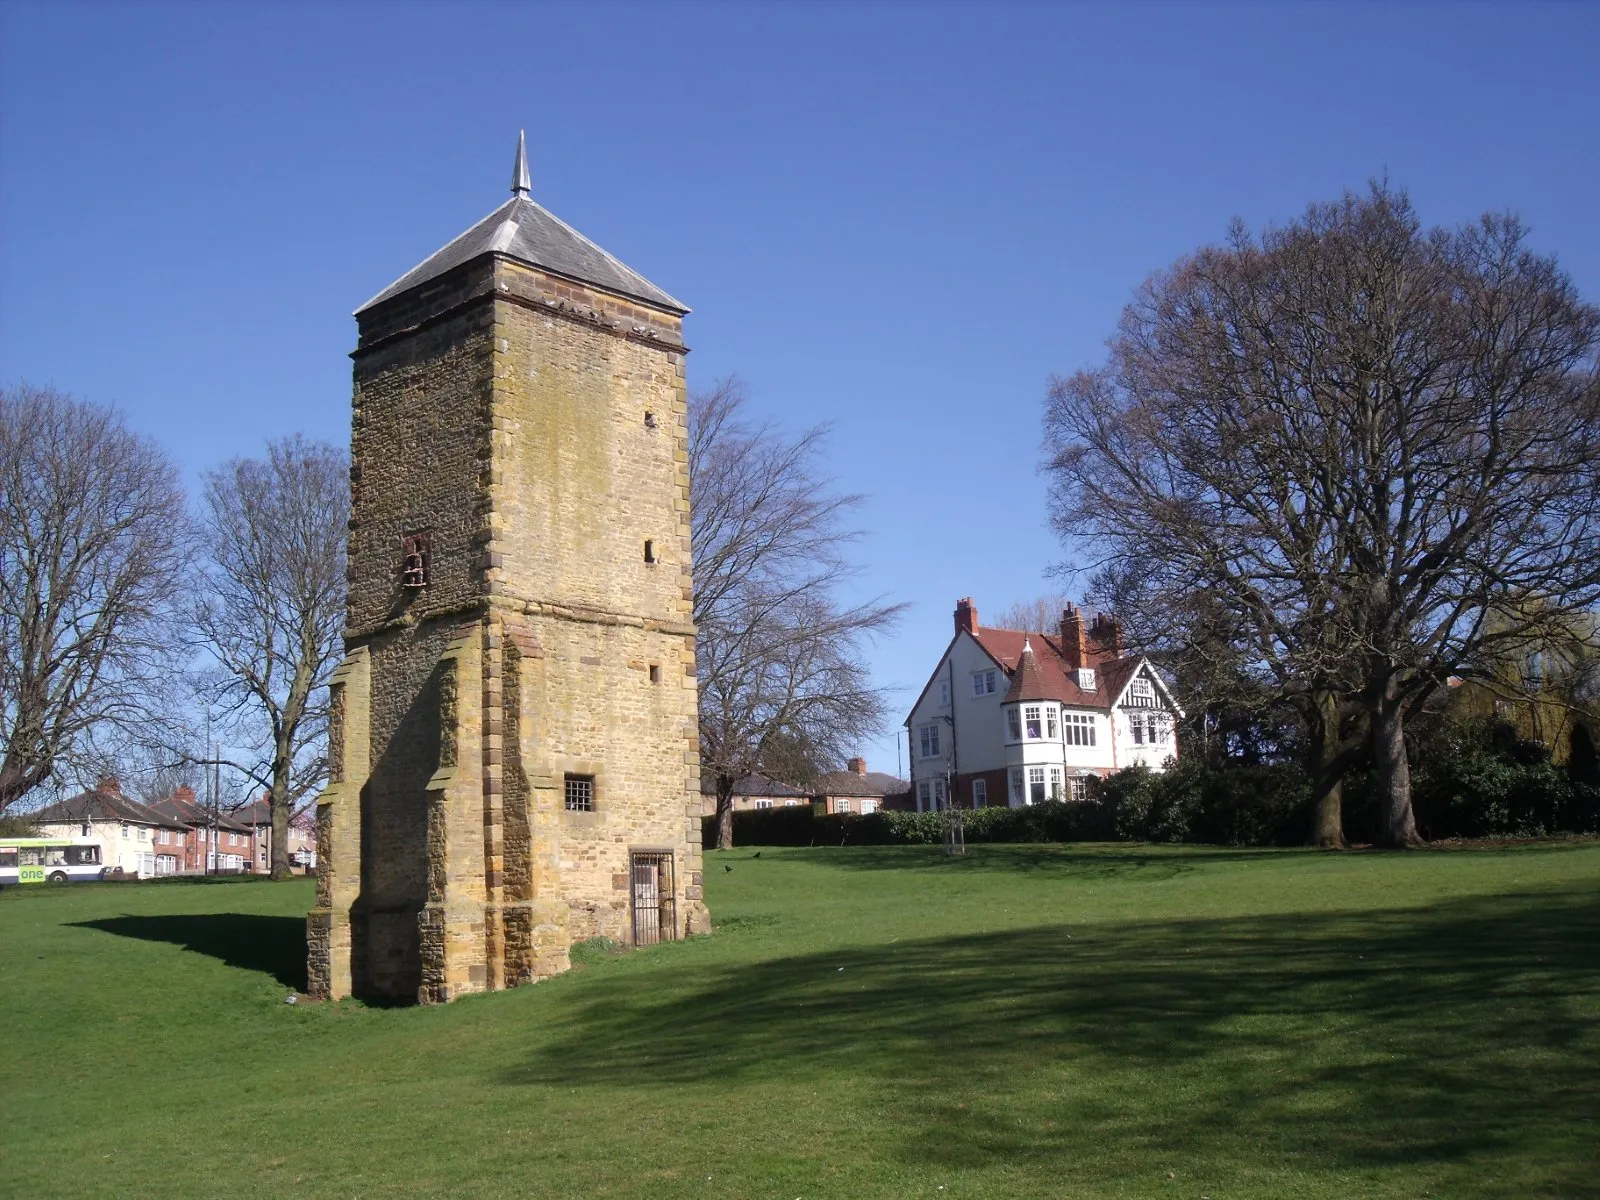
(1016, 717)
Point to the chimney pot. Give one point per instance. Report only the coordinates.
(185, 793)
(109, 784)
(858, 766)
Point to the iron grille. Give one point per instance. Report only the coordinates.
(654, 909)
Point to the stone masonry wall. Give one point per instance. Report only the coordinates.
(535, 430)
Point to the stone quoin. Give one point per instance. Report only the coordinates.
(513, 747)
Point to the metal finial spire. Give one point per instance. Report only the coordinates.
(521, 185)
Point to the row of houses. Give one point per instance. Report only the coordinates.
(174, 836)
(853, 790)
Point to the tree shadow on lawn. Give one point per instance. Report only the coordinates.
(1462, 1031)
(275, 946)
(1070, 860)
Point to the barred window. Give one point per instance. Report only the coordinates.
(1079, 729)
(580, 793)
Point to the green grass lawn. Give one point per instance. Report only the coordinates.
(1028, 1021)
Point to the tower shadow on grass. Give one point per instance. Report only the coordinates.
(274, 946)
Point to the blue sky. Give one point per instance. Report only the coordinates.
(897, 218)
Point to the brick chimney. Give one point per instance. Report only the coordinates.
(184, 794)
(857, 766)
(966, 615)
(1106, 633)
(110, 785)
(1073, 648)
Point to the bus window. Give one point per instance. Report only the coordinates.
(8, 858)
(83, 856)
(30, 856)
(55, 856)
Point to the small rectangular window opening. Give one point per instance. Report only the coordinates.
(580, 793)
(655, 673)
(649, 551)
(414, 552)
(649, 420)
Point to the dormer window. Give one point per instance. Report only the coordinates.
(1086, 678)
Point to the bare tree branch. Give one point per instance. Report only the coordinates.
(92, 555)
(274, 536)
(779, 657)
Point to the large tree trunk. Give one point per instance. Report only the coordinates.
(1327, 773)
(280, 837)
(724, 813)
(1397, 826)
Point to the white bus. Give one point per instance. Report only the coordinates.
(49, 860)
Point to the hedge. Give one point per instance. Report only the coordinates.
(1472, 793)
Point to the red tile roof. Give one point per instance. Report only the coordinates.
(1049, 677)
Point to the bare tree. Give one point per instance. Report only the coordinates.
(1042, 614)
(274, 536)
(92, 551)
(1374, 445)
(779, 656)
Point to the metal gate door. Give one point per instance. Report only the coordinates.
(653, 919)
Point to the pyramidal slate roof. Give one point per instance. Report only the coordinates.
(525, 231)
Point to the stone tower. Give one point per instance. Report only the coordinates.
(513, 740)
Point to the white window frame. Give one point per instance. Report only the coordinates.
(1078, 729)
(1051, 731)
(1086, 678)
(944, 693)
(841, 804)
(928, 739)
(1032, 722)
(983, 682)
(1142, 689)
(1036, 792)
(1019, 792)
(1136, 727)
(761, 802)
(868, 806)
(1013, 724)
(1056, 792)
(940, 800)
(924, 795)
(980, 793)
(1078, 787)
